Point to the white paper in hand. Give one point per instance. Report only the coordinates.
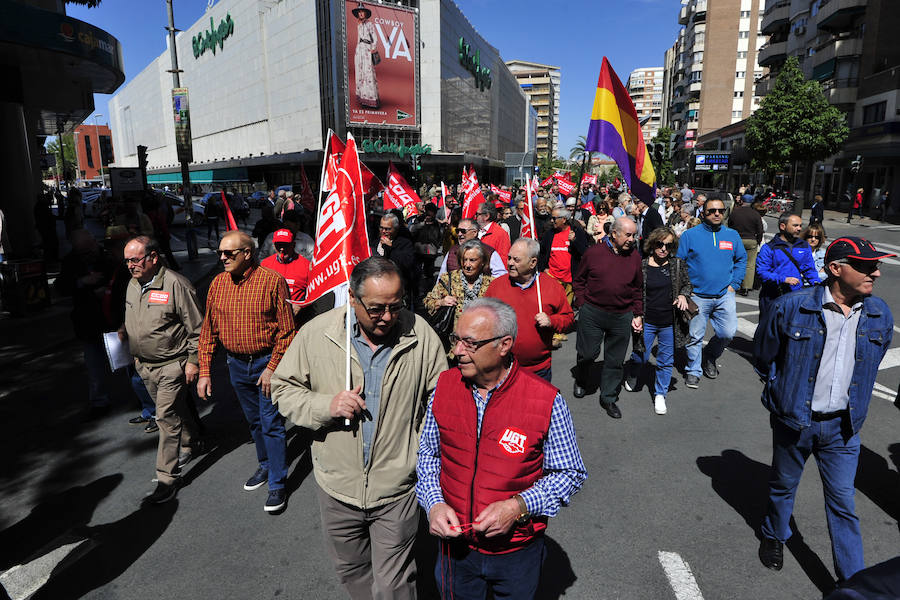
(117, 351)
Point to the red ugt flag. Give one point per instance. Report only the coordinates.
(473, 197)
(398, 194)
(341, 238)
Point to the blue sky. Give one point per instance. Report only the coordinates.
(573, 35)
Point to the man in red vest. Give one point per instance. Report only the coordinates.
(489, 479)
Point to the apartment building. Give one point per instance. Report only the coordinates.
(645, 86)
(541, 84)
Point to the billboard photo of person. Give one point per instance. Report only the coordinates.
(365, 59)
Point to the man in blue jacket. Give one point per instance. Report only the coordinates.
(785, 263)
(716, 262)
(818, 351)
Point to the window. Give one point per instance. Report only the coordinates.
(739, 94)
(745, 14)
(737, 114)
(873, 113)
(696, 75)
(742, 54)
(740, 74)
(89, 151)
(743, 35)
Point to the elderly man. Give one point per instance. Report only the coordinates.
(466, 230)
(717, 264)
(490, 231)
(398, 249)
(366, 470)
(162, 325)
(248, 314)
(609, 292)
(785, 263)
(818, 350)
(648, 220)
(290, 265)
(489, 479)
(537, 321)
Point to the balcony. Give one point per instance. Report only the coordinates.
(695, 87)
(776, 17)
(838, 15)
(837, 48)
(772, 53)
(841, 91)
(700, 12)
(684, 16)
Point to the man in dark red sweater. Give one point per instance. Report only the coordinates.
(537, 322)
(608, 287)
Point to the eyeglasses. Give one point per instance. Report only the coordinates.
(377, 311)
(469, 344)
(710, 211)
(670, 247)
(229, 254)
(862, 266)
(464, 230)
(134, 261)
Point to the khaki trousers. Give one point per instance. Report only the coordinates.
(168, 388)
(372, 550)
(752, 247)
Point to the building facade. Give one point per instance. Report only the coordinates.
(267, 80)
(94, 150)
(645, 86)
(541, 83)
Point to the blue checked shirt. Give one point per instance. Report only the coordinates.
(564, 471)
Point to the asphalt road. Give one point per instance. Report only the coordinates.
(670, 508)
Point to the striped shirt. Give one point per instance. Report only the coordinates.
(247, 317)
(564, 470)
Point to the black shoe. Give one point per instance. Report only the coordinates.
(612, 410)
(163, 493)
(578, 391)
(258, 480)
(138, 420)
(631, 383)
(710, 370)
(189, 453)
(151, 427)
(692, 381)
(743, 291)
(771, 554)
(276, 501)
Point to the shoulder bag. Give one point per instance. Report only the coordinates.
(442, 320)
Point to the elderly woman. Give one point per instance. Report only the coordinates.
(595, 226)
(666, 290)
(459, 287)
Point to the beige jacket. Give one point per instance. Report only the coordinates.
(163, 323)
(312, 373)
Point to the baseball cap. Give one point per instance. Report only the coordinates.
(283, 235)
(853, 247)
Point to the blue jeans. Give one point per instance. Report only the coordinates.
(837, 453)
(665, 355)
(148, 407)
(464, 574)
(722, 313)
(266, 423)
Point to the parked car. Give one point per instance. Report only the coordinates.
(177, 204)
(257, 199)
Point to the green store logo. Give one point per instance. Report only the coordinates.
(207, 40)
(400, 150)
(473, 65)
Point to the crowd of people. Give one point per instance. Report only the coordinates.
(436, 390)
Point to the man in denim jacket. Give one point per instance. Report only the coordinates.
(818, 351)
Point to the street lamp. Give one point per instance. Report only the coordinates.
(99, 150)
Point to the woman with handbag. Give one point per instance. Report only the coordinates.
(667, 316)
(455, 289)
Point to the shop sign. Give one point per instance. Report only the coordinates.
(473, 65)
(207, 40)
(401, 150)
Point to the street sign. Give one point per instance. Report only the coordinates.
(182, 115)
(713, 161)
(125, 179)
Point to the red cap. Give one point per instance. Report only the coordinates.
(283, 235)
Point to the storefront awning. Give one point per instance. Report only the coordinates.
(235, 174)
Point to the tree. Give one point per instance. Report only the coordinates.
(609, 175)
(52, 147)
(548, 165)
(661, 157)
(794, 123)
(579, 151)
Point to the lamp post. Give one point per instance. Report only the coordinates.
(99, 150)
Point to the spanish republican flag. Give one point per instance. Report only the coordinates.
(616, 132)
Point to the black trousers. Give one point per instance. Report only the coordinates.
(612, 331)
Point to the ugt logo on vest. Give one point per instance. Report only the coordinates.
(513, 441)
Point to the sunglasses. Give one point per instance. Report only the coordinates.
(710, 211)
(229, 254)
(670, 247)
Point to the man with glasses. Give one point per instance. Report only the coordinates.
(818, 351)
(365, 471)
(490, 231)
(248, 314)
(609, 291)
(162, 326)
(466, 230)
(785, 263)
(490, 479)
(717, 264)
(290, 265)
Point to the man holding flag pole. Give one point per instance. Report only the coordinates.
(365, 424)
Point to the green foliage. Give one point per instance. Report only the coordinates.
(581, 158)
(661, 158)
(608, 175)
(548, 165)
(52, 147)
(794, 123)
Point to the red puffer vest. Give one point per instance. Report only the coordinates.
(507, 458)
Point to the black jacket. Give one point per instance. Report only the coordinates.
(650, 221)
(577, 247)
(817, 213)
(403, 254)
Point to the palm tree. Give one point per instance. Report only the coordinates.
(579, 150)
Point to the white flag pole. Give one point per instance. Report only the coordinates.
(537, 276)
(347, 364)
(322, 180)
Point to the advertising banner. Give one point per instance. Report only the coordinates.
(380, 76)
(182, 114)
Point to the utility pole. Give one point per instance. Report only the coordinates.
(190, 235)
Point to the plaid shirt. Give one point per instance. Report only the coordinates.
(247, 317)
(564, 470)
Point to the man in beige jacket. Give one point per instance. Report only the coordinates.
(366, 470)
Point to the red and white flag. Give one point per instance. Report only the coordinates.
(528, 218)
(399, 193)
(588, 179)
(333, 151)
(534, 185)
(566, 187)
(473, 196)
(341, 238)
(443, 201)
(589, 206)
(548, 181)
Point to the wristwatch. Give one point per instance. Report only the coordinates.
(523, 509)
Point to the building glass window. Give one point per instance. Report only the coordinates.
(874, 113)
(743, 35)
(742, 54)
(89, 151)
(739, 94)
(737, 114)
(740, 74)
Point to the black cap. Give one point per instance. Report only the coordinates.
(853, 247)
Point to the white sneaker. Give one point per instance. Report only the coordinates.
(659, 404)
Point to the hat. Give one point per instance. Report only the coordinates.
(361, 9)
(853, 247)
(283, 235)
(570, 201)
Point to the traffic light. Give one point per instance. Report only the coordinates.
(417, 166)
(856, 165)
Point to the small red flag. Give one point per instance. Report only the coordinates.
(230, 223)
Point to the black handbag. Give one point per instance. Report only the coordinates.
(376, 58)
(442, 320)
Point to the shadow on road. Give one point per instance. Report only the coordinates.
(557, 575)
(744, 483)
(878, 481)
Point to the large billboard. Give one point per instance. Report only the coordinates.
(380, 79)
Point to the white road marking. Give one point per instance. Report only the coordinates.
(891, 359)
(22, 581)
(747, 327)
(748, 313)
(680, 577)
(741, 300)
